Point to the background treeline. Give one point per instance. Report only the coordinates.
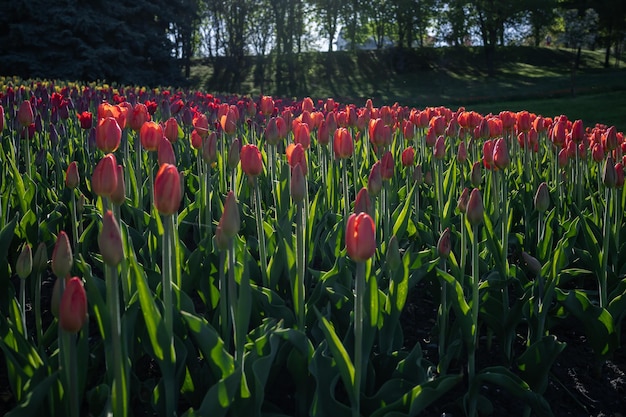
(154, 41)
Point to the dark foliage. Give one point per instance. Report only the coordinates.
(123, 41)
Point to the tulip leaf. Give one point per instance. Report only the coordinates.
(402, 219)
(536, 361)
(34, 400)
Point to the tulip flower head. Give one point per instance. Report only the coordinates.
(167, 190)
(229, 223)
(501, 154)
(408, 156)
(73, 306)
(72, 178)
(375, 180)
(386, 166)
(251, 160)
(62, 257)
(444, 244)
(118, 197)
(475, 208)
(104, 177)
(360, 237)
(150, 135)
(108, 135)
(24, 264)
(343, 143)
(542, 198)
(298, 185)
(25, 116)
(110, 240)
(171, 130)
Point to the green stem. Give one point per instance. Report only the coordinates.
(74, 223)
(260, 233)
(443, 316)
(72, 375)
(23, 306)
(119, 390)
(28, 164)
(225, 323)
(299, 288)
(475, 280)
(201, 189)
(605, 248)
(168, 306)
(38, 323)
(359, 295)
(233, 298)
(271, 162)
(138, 170)
(346, 193)
(440, 194)
(208, 213)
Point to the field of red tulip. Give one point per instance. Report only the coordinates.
(170, 252)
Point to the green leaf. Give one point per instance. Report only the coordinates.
(32, 403)
(402, 220)
(536, 361)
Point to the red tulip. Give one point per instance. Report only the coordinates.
(296, 156)
(85, 119)
(73, 306)
(62, 257)
(165, 152)
(171, 130)
(363, 202)
(228, 122)
(408, 156)
(375, 180)
(229, 223)
(342, 143)
(108, 135)
(302, 135)
(233, 153)
(110, 240)
(25, 116)
(209, 148)
(200, 124)
(461, 203)
(167, 191)
(610, 138)
(444, 245)
(266, 105)
(542, 198)
(331, 122)
(104, 177)
(386, 166)
(360, 237)
(271, 132)
(619, 175)
(1, 118)
(72, 178)
(562, 158)
(298, 185)
(461, 153)
(251, 160)
(609, 176)
(323, 134)
(150, 135)
(475, 209)
(501, 154)
(488, 154)
(137, 117)
(578, 131)
(439, 151)
(523, 121)
(476, 174)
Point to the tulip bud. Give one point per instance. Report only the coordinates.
(196, 139)
(619, 175)
(108, 135)
(24, 264)
(444, 245)
(233, 153)
(40, 260)
(298, 186)
(475, 208)
(360, 237)
(476, 176)
(72, 178)
(171, 130)
(251, 160)
(73, 306)
(62, 258)
(104, 177)
(150, 135)
(463, 199)
(25, 115)
(439, 151)
(534, 266)
(418, 175)
(209, 148)
(393, 258)
(375, 180)
(542, 198)
(118, 197)
(165, 152)
(408, 156)
(167, 190)
(461, 153)
(501, 154)
(609, 176)
(230, 222)
(110, 240)
(386, 166)
(343, 145)
(363, 203)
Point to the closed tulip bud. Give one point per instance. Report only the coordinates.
(209, 148)
(251, 160)
(196, 139)
(302, 135)
(342, 143)
(461, 203)
(488, 154)
(40, 260)
(578, 131)
(296, 156)
(137, 116)
(24, 264)
(73, 306)
(62, 258)
(611, 138)
(171, 130)
(228, 122)
(362, 202)
(534, 266)
(476, 175)
(360, 237)
(375, 180)
(428, 178)
(72, 178)
(266, 105)
(200, 124)
(619, 175)
(118, 197)
(542, 198)
(501, 154)
(439, 151)
(229, 223)
(597, 152)
(150, 135)
(85, 119)
(298, 186)
(104, 177)
(165, 152)
(393, 258)
(562, 158)
(408, 156)
(25, 116)
(108, 135)
(609, 177)
(110, 240)
(233, 153)
(475, 208)
(386, 166)
(461, 153)
(444, 244)
(523, 121)
(272, 136)
(167, 190)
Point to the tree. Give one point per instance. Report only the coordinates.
(541, 15)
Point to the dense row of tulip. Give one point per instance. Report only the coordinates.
(237, 243)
